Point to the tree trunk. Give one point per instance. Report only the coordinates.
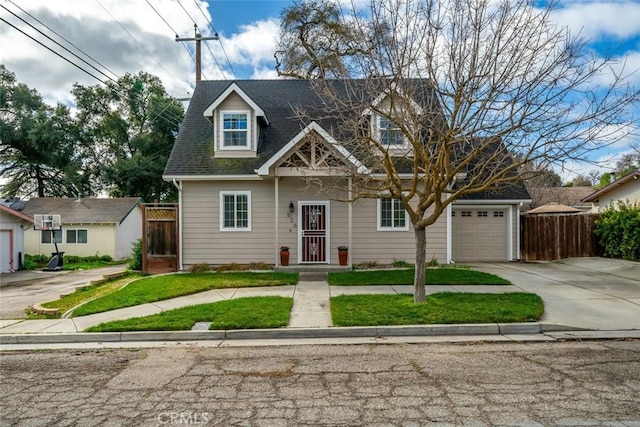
(419, 277)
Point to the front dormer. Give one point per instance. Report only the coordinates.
(236, 122)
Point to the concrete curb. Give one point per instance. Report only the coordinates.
(555, 332)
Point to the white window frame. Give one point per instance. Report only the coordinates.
(379, 227)
(42, 242)
(76, 231)
(235, 193)
(222, 130)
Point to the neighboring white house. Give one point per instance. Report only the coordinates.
(12, 225)
(89, 226)
(240, 162)
(625, 189)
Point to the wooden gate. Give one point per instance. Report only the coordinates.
(160, 238)
(557, 236)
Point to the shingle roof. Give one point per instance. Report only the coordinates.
(631, 176)
(192, 152)
(76, 211)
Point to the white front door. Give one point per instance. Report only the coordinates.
(313, 219)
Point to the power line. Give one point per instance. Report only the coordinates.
(141, 46)
(219, 40)
(63, 38)
(169, 116)
(53, 51)
(171, 28)
(58, 44)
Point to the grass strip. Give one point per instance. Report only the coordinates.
(157, 288)
(434, 276)
(241, 313)
(441, 308)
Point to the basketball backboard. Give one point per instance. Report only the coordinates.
(47, 222)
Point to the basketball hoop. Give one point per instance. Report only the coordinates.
(47, 222)
(52, 223)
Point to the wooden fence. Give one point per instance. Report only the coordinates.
(556, 236)
(160, 239)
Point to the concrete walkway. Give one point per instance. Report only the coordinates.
(589, 293)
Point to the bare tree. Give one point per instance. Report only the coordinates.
(456, 97)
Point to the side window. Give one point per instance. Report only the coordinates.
(45, 236)
(235, 211)
(392, 215)
(77, 236)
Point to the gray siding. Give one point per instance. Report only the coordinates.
(203, 242)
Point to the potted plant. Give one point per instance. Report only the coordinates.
(284, 255)
(343, 254)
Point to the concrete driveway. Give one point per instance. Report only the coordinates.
(590, 293)
(22, 289)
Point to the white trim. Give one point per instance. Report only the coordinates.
(212, 178)
(490, 202)
(222, 131)
(221, 210)
(313, 126)
(518, 236)
(510, 233)
(392, 228)
(384, 94)
(449, 234)
(178, 185)
(327, 239)
(277, 222)
(208, 112)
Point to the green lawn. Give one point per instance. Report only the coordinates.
(441, 308)
(241, 313)
(434, 276)
(86, 293)
(151, 289)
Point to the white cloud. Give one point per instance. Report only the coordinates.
(596, 19)
(254, 44)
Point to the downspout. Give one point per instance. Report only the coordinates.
(178, 185)
(518, 231)
(350, 215)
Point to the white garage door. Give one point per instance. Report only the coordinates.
(479, 234)
(5, 251)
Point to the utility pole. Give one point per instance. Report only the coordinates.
(198, 39)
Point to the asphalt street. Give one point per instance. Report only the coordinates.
(562, 383)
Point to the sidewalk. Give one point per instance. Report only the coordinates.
(310, 318)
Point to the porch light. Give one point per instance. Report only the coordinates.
(291, 207)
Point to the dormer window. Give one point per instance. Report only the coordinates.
(390, 133)
(236, 129)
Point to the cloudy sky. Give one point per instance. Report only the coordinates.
(132, 35)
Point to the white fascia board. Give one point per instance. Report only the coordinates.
(208, 112)
(491, 202)
(313, 126)
(212, 177)
(384, 94)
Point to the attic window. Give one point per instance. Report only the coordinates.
(235, 129)
(390, 133)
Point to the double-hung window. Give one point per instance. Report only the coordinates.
(235, 211)
(390, 133)
(392, 216)
(235, 129)
(77, 236)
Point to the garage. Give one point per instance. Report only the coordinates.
(479, 234)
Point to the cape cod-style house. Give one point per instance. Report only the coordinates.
(241, 163)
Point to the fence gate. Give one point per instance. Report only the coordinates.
(557, 236)
(160, 238)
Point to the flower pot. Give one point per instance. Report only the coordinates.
(284, 257)
(343, 257)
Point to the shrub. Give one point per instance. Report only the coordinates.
(618, 231)
(400, 263)
(199, 268)
(136, 255)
